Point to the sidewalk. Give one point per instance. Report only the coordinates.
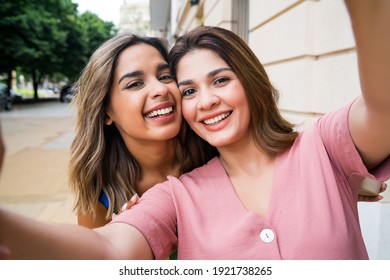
(34, 179)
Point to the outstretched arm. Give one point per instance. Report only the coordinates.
(29, 239)
(369, 118)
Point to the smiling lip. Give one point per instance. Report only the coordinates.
(160, 110)
(215, 118)
(217, 121)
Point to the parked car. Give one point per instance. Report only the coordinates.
(67, 92)
(16, 96)
(6, 101)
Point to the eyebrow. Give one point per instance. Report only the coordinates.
(160, 67)
(209, 75)
(131, 74)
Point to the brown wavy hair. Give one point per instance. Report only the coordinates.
(270, 130)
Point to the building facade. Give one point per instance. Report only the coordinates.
(308, 50)
(134, 18)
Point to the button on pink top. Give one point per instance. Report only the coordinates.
(312, 212)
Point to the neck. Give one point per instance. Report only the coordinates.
(244, 159)
(156, 160)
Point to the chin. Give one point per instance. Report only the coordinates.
(168, 134)
(218, 142)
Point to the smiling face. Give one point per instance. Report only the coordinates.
(213, 99)
(144, 99)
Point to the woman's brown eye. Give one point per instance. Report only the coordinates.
(187, 92)
(134, 84)
(221, 80)
(166, 78)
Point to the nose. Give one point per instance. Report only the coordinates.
(159, 89)
(207, 100)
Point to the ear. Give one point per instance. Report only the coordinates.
(108, 120)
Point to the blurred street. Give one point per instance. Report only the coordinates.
(34, 179)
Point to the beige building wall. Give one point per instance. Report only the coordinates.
(188, 17)
(218, 13)
(308, 50)
(134, 17)
(207, 12)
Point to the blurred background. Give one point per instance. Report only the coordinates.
(306, 46)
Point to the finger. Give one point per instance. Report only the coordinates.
(383, 187)
(133, 200)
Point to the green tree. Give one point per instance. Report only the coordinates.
(33, 36)
(74, 53)
(97, 30)
(48, 38)
(12, 45)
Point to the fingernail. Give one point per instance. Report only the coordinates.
(124, 207)
(134, 197)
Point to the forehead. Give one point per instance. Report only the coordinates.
(139, 56)
(199, 62)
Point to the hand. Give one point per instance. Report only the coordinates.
(133, 200)
(373, 198)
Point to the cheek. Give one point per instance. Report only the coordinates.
(174, 90)
(128, 108)
(239, 96)
(187, 110)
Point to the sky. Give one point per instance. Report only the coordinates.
(107, 10)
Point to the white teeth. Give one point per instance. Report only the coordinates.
(160, 112)
(217, 118)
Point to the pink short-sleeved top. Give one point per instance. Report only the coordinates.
(312, 212)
